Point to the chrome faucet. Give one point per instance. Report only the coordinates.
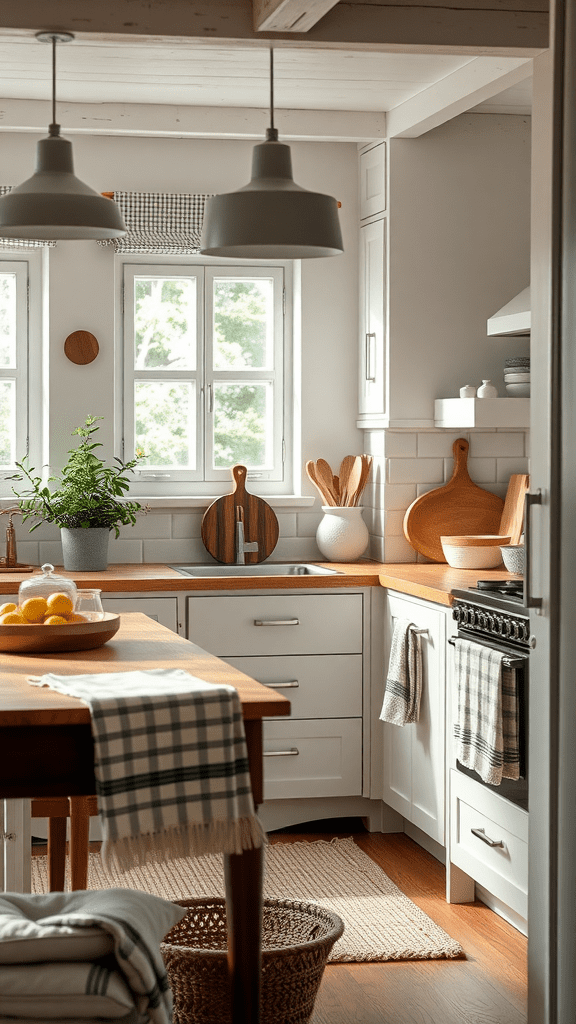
(242, 546)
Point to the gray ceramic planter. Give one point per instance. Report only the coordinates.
(85, 550)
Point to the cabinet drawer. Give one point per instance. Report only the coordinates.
(312, 758)
(501, 869)
(286, 624)
(317, 686)
(162, 609)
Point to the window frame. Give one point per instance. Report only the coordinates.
(181, 483)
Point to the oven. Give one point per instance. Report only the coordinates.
(493, 614)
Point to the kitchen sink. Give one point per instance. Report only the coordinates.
(259, 569)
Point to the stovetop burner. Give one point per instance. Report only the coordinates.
(513, 587)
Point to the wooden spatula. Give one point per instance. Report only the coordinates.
(352, 487)
(326, 477)
(344, 476)
(318, 483)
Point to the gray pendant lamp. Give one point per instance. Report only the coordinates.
(271, 217)
(54, 203)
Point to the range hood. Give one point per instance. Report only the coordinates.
(513, 318)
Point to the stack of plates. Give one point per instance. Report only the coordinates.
(517, 376)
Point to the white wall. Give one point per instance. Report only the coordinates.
(82, 298)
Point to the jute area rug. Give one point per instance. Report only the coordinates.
(381, 923)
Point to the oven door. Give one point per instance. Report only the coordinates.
(515, 790)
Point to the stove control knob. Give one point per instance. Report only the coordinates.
(507, 627)
(482, 619)
(515, 629)
(489, 623)
(498, 624)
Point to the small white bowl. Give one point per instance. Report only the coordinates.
(518, 390)
(513, 558)
(474, 552)
(517, 378)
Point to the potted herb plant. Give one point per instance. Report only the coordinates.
(86, 503)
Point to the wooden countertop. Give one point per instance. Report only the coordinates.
(140, 643)
(431, 581)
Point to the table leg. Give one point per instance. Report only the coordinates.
(243, 875)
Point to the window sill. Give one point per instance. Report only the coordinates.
(276, 501)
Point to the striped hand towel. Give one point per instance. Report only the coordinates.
(404, 682)
(486, 726)
(170, 762)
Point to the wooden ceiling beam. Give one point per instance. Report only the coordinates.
(289, 15)
(510, 28)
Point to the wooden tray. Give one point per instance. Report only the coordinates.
(219, 523)
(460, 507)
(74, 636)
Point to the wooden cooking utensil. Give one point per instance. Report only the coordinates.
(326, 477)
(512, 521)
(344, 475)
(366, 467)
(219, 523)
(459, 507)
(318, 484)
(354, 479)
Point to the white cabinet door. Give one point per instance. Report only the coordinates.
(373, 382)
(163, 609)
(317, 758)
(372, 181)
(414, 755)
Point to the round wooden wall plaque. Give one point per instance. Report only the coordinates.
(81, 347)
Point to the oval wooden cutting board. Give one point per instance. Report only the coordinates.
(219, 523)
(459, 507)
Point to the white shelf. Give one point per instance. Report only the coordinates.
(482, 412)
(515, 318)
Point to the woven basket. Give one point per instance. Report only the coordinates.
(296, 942)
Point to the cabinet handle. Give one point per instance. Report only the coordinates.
(529, 501)
(276, 622)
(281, 753)
(289, 685)
(480, 834)
(370, 376)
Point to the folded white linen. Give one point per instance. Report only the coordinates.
(170, 762)
(487, 725)
(403, 692)
(45, 990)
(136, 921)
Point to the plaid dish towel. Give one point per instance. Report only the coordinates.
(170, 762)
(486, 726)
(404, 682)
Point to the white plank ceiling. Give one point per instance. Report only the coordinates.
(143, 73)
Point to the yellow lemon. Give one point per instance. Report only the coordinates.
(8, 607)
(59, 604)
(12, 619)
(76, 617)
(34, 609)
(55, 620)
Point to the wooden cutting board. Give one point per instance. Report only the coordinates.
(512, 522)
(460, 507)
(219, 523)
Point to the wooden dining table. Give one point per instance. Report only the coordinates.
(46, 749)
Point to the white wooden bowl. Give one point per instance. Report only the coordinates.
(474, 552)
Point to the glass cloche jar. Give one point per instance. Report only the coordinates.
(47, 594)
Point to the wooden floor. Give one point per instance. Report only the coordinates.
(488, 987)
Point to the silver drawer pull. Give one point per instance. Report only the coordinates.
(291, 684)
(282, 753)
(480, 834)
(276, 622)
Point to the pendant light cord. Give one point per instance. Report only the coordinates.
(272, 132)
(54, 128)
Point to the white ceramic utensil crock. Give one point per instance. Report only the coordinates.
(342, 534)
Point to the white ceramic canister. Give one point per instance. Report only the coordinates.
(342, 534)
(487, 390)
(468, 391)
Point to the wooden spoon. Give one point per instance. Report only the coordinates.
(366, 467)
(354, 481)
(325, 476)
(344, 475)
(312, 475)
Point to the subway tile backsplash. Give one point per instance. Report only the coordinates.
(406, 464)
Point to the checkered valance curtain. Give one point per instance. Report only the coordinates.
(160, 223)
(22, 243)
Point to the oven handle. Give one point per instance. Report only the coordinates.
(530, 499)
(507, 662)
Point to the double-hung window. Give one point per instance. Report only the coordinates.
(206, 375)
(13, 365)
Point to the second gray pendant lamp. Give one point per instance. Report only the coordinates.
(271, 217)
(54, 203)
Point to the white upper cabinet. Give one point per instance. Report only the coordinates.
(372, 337)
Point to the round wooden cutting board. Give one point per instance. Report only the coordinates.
(219, 523)
(460, 507)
